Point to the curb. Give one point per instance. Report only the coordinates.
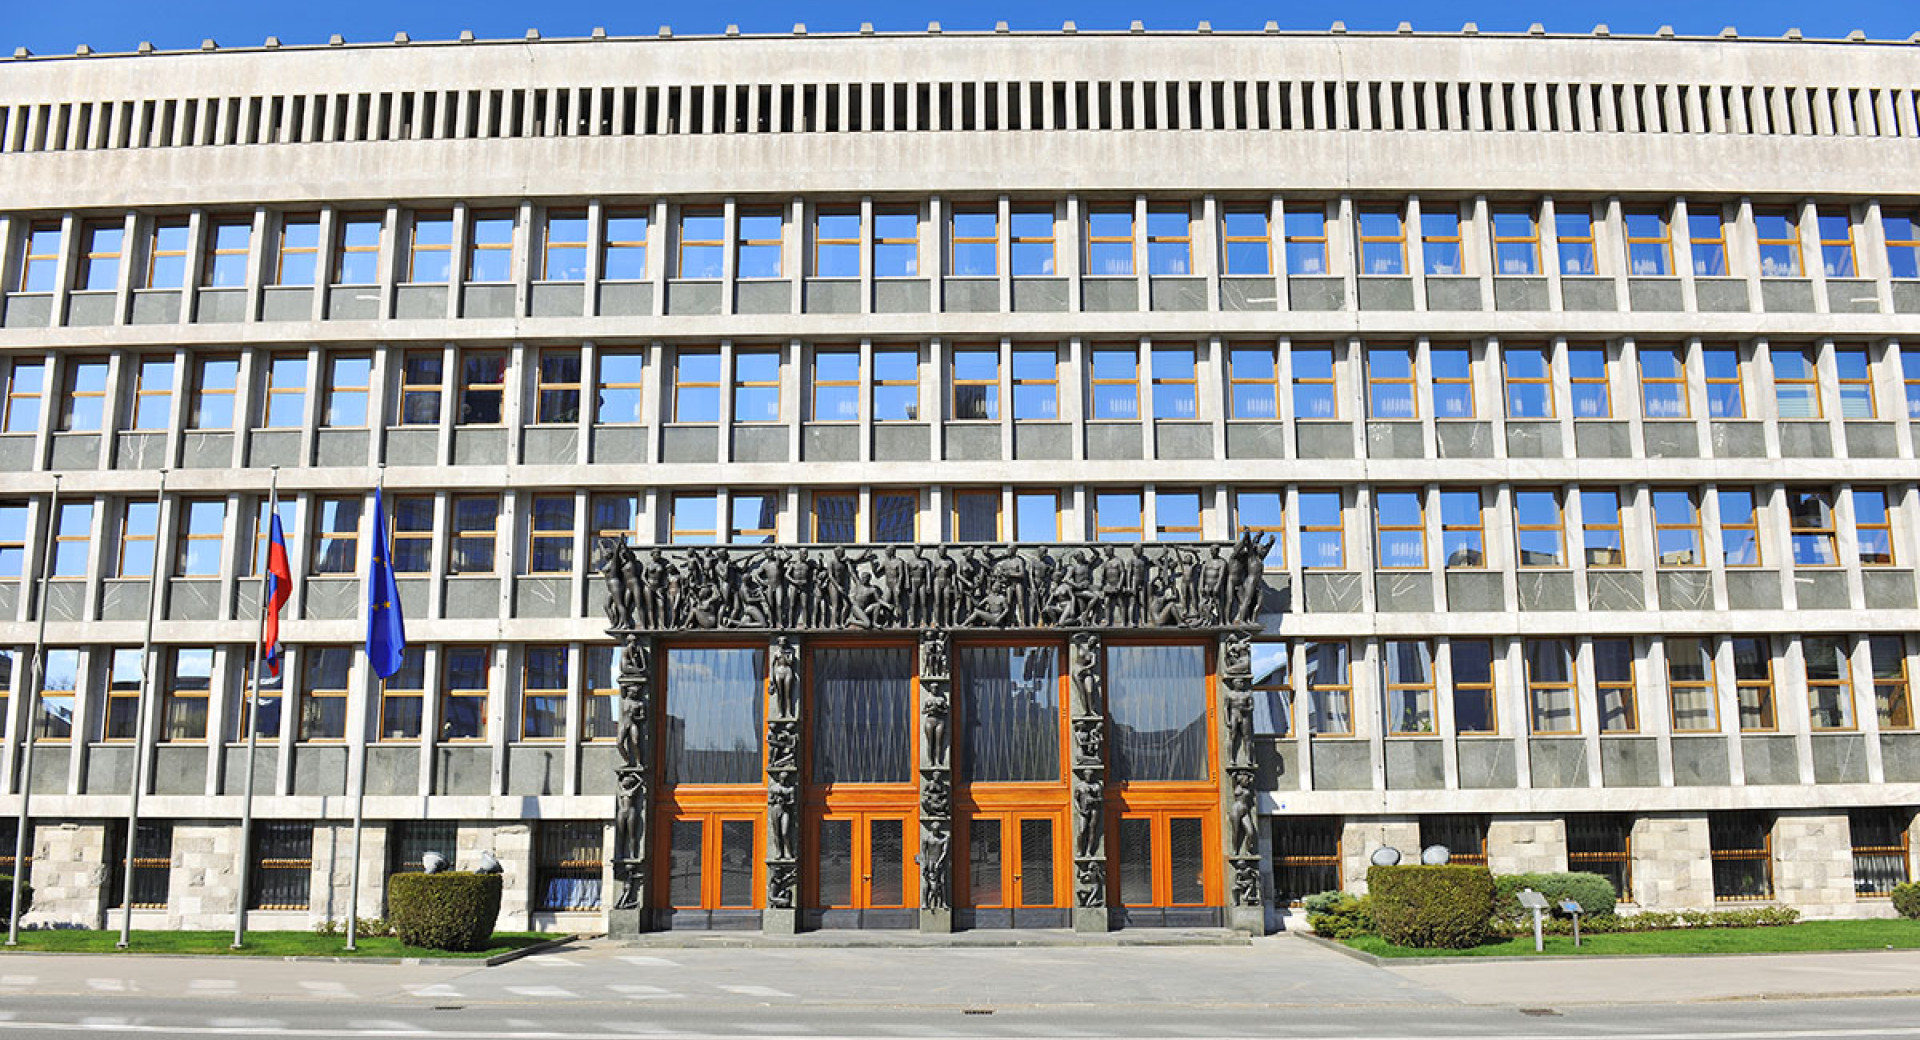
(1389, 962)
(430, 962)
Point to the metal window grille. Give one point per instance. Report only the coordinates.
(1880, 848)
(282, 865)
(409, 840)
(152, 864)
(1306, 857)
(1742, 844)
(1465, 836)
(1603, 844)
(567, 872)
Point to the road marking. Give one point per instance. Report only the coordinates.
(323, 986)
(644, 961)
(108, 985)
(247, 1023)
(541, 991)
(638, 992)
(438, 989)
(386, 1025)
(757, 991)
(18, 980)
(208, 984)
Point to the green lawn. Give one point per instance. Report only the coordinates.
(259, 944)
(1793, 938)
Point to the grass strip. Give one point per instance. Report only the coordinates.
(1805, 937)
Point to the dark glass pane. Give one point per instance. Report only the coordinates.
(983, 862)
(152, 863)
(409, 840)
(886, 858)
(1187, 859)
(736, 862)
(1158, 702)
(567, 867)
(1136, 862)
(863, 715)
(1306, 857)
(683, 863)
(1010, 712)
(1036, 863)
(715, 706)
(282, 865)
(836, 863)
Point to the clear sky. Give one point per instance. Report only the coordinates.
(57, 26)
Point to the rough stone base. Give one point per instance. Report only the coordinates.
(1249, 919)
(625, 924)
(939, 922)
(1362, 836)
(1813, 863)
(1091, 919)
(1672, 863)
(780, 922)
(1526, 844)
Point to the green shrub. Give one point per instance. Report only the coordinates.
(364, 928)
(6, 896)
(452, 910)
(1594, 894)
(1337, 915)
(1431, 907)
(1906, 899)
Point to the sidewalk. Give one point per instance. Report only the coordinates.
(1564, 981)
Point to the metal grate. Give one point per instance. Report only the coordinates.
(567, 869)
(409, 840)
(282, 865)
(152, 864)
(1603, 844)
(1742, 844)
(1880, 849)
(1464, 835)
(1306, 856)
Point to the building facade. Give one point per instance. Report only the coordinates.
(1572, 380)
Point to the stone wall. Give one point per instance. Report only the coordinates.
(69, 875)
(1361, 837)
(1526, 844)
(1813, 864)
(512, 845)
(1672, 863)
(205, 882)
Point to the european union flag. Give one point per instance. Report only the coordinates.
(386, 629)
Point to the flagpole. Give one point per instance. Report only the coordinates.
(360, 774)
(140, 729)
(33, 694)
(253, 721)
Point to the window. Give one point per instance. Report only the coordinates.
(1613, 685)
(1676, 529)
(336, 536)
(623, 258)
(73, 537)
(282, 865)
(1306, 235)
(1176, 516)
(558, 392)
(1440, 241)
(430, 253)
(1169, 240)
(1552, 699)
(483, 387)
(754, 517)
(1253, 379)
(474, 519)
(1036, 383)
(1323, 530)
(1829, 681)
(567, 871)
(421, 385)
(696, 386)
(1390, 383)
(1529, 373)
(759, 254)
(40, 258)
(100, 263)
(1649, 244)
(695, 519)
(836, 243)
(1033, 242)
(1663, 383)
(835, 516)
(1873, 528)
(836, 385)
(1592, 392)
(152, 864)
(1402, 526)
(976, 382)
(1537, 522)
(1602, 843)
(1329, 690)
(563, 248)
(543, 694)
(123, 694)
(1516, 242)
(348, 380)
(1600, 524)
(1259, 512)
(201, 526)
(1473, 700)
(1836, 244)
(286, 406)
(861, 721)
(1273, 688)
(896, 516)
(896, 384)
(896, 243)
(183, 699)
(1753, 683)
(85, 406)
(1175, 385)
(1036, 516)
(617, 398)
(167, 255)
(226, 263)
(1248, 241)
(976, 242)
(1779, 235)
(1739, 527)
(1856, 382)
(1691, 688)
(1708, 235)
(490, 254)
(409, 841)
(1117, 516)
(464, 692)
(323, 709)
(1464, 836)
(1891, 689)
(1383, 242)
(1109, 241)
(26, 389)
(1880, 849)
(1452, 369)
(1742, 844)
(1314, 393)
(1725, 398)
(59, 688)
(1463, 533)
(703, 236)
(13, 542)
(263, 525)
(756, 386)
(600, 705)
(616, 516)
(1306, 857)
(1810, 518)
(1903, 244)
(550, 535)
(358, 261)
(297, 261)
(976, 516)
(1409, 686)
(1116, 382)
(139, 527)
(153, 393)
(401, 697)
(1574, 231)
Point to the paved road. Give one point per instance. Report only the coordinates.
(1281, 986)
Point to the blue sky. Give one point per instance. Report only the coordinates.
(118, 25)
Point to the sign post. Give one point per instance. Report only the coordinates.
(1537, 903)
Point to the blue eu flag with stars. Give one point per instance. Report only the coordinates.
(386, 629)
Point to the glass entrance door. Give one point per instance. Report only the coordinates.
(861, 863)
(1015, 870)
(1163, 860)
(713, 862)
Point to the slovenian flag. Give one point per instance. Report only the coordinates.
(279, 587)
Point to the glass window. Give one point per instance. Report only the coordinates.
(1009, 707)
(1742, 849)
(1880, 849)
(167, 255)
(696, 386)
(1753, 683)
(550, 535)
(616, 516)
(862, 716)
(153, 392)
(26, 389)
(226, 263)
(756, 386)
(1462, 529)
(1829, 680)
(1175, 385)
(1329, 690)
(1592, 393)
(1873, 527)
(1409, 686)
(1856, 382)
(624, 256)
(1810, 518)
(85, 406)
(474, 520)
(483, 387)
(1676, 529)
(1574, 231)
(286, 406)
(1169, 240)
(358, 260)
(122, 721)
(1272, 688)
(1452, 368)
(1691, 686)
(1708, 234)
(1383, 241)
(1739, 527)
(759, 253)
(13, 546)
(1649, 244)
(1600, 524)
(1903, 243)
(976, 516)
(336, 537)
(1401, 523)
(349, 378)
(466, 686)
(329, 676)
(1663, 383)
(1551, 695)
(558, 390)
(1725, 396)
(1779, 234)
(401, 696)
(1473, 696)
(896, 516)
(1248, 241)
(100, 263)
(1117, 516)
(421, 387)
(183, 700)
(1036, 516)
(1306, 234)
(1109, 241)
(896, 384)
(1176, 515)
(139, 528)
(836, 385)
(1440, 241)
(1260, 513)
(836, 243)
(896, 243)
(600, 706)
(1314, 395)
(490, 254)
(976, 242)
(836, 515)
(543, 693)
(429, 256)
(695, 518)
(1323, 530)
(1116, 382)
(1253, 377)
(1796, 386)
(1390, 383)
(1516, 242)
(1529, 382)
(976, 382)
(268, 699)
(1537, 522)
(1892, 690)
(40, 258)
(1157, 701)
(203, 523)
(1033, 241)
(287, 509)
(618, 401)
(1614, 686)
(72, 539)
(1836, 244)
(702, 239)
(563, 255)
(1036, 383)
(755, 515)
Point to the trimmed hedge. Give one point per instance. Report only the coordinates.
(1594, 894)
(452, 910)
(1906, 900)
(1337, 915)
(6, 897)
(1424, 907)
